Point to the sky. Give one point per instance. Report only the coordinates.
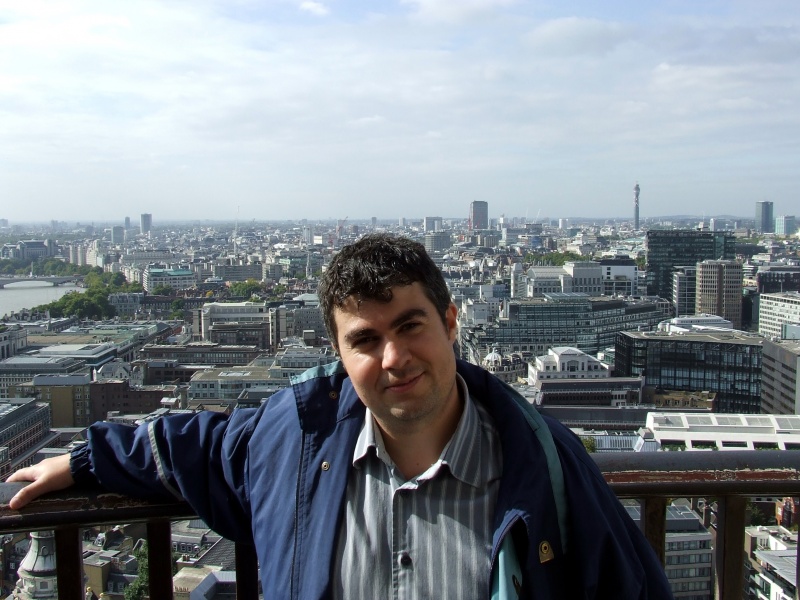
(290, 109)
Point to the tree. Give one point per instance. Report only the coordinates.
(590, 444)
(163, 290)
(245, 289)
(140, 587)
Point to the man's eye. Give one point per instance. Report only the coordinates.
(409, 326)
(362, 341)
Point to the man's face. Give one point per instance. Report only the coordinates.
(399, 356)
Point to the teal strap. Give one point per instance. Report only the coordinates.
(507, 574)
(545, 438)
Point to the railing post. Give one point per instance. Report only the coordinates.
(159, 559)
(246, 572)
(69, 563)
(654, 524)
(729, 571)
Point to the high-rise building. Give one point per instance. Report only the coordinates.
(765, 223)
(127, 223)
(146, 223)
(684, 290)
(719, 290)
(437, 241)
(433, 224)
(478, 215)
(785, 225)
(669, 249)
(636, 206)
(117, 234)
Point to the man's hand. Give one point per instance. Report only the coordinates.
(47, 476)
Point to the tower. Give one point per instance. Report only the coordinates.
(719, 290)
(145, 223)
(764, 220)
(636, 207)
(478, 215)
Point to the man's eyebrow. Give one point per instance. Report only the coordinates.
(411, 313)
(352, 336)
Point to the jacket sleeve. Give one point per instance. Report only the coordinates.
(200, 458)
(607, 549)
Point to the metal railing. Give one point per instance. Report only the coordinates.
(730, 477)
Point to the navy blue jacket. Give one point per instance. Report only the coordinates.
(276, 476)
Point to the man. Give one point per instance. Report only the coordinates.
(399, 472)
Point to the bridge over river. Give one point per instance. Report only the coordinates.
(4, 281)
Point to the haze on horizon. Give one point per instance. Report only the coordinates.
(284, 109)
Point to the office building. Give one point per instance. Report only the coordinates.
(780, 394)
(669, 249)
(227, 312)
(687, 554)
(534, 325)
(437, 241)
(145, 223)
(785, 225)
(776, 312)
(201, 353)
(118, 235)
(177, 279)
(20, 369)
(770, 562)
(765, 222)
(433, 224)
(697, 431)
(620, 276)
(719, 290)
(24, 430)
(478, 215)
(684, 290)
(727, 363)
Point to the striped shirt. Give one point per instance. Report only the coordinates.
(429, 536)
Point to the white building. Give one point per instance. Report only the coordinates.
(718, 431)
(177, 279)
(230, 312)
(777, 310)
(772, 562)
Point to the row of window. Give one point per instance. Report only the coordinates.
(688, 545)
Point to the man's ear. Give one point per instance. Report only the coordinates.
(451, 321)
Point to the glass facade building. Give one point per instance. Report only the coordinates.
(669, 249)
(727, 363)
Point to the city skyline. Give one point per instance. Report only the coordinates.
(325, 110)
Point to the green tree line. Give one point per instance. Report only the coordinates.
(93, 303)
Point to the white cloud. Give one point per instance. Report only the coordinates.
(456, 10)
(575, 36)
(315, 8)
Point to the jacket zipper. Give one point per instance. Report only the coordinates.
(297, 512)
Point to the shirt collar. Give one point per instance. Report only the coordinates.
(462, 454)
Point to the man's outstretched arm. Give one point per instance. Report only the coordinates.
(47, 476)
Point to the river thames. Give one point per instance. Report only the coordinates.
(27, 294)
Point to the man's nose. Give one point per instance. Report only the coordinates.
(395, 355)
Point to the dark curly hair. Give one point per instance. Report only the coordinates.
(368, 270)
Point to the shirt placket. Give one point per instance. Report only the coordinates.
(403, 584)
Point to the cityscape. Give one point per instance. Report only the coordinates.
(642, 335)
(608, 190)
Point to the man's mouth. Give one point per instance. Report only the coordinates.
(403, 385)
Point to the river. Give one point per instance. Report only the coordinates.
(27, 294)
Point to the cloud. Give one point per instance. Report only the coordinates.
(573, 36)
(454, 11)
(315, 8)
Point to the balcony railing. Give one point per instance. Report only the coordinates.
(654, 478)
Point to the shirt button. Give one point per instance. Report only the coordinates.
(405, 560)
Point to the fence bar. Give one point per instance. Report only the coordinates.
(69, 563)
(729, 565)
(246, 572)
(159, 559)
(654, 522)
